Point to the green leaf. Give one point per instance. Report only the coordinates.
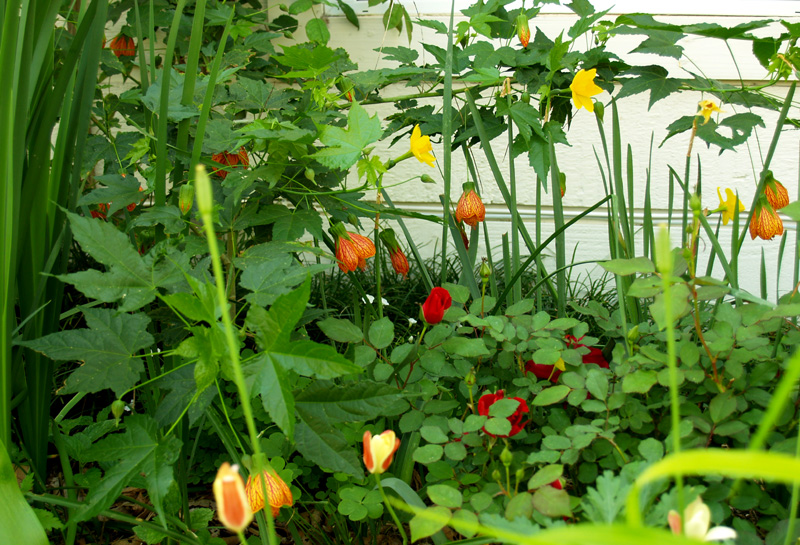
(520, 506)
(721, 407)
(17, 519)
(651, 449)
(464, 522)
(345, 145)
(552, 502)
(324, 445)
(118, 191)
(551, 395)
(168, 216)
(467, 348)
(597, 384)
(639, 382)
(422, 526)
(445, 495)
(455, 451)
(317, 31)
(649, 78)
(741, 127)
(625, 267)
(276, 394)
(498, 426)
(341, 331)
(275, 326)
(272, 277)
(381, 333)
(545, 476)
(351, 402)
(107, 350)
(428, 454)
(137, 450)
(310, 359)
(291, 224)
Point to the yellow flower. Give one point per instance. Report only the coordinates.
(696, 521)
(728, 206)
(278, 493)
(421, 147)
(583, 88)
(707, 107)
(233, 509)
(379, 450)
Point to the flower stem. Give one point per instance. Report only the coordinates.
(391, 510)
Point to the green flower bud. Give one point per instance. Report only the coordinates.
(694, 203)
(496, 475)
(186, 198)
(425, 179)
(118, 409)
(469, 380)
(485, 271)
(309, 174)
(506, 457)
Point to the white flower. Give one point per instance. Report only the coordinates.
(371, 299)
(698, 519)
(411, 321)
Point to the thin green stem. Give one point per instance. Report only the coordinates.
(391, 509)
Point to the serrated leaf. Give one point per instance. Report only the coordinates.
(118, 191)
(275, 326)
(344, 146)
(107, 349)
(651, 78)
(168, 216)
(350, 402)
(310, 359)
(136, 450)
(322, 444)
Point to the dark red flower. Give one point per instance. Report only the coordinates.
(434, 306)
(487, 400)
(550, 372)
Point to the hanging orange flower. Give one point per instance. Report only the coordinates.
(776, 193)
(123, 46)
(523, 29)
(470, 208)
(398, 258)
(765, 223)
(278, 493)
(233, 509)
(352, 249)
(231, 160)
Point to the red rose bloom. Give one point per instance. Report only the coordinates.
(487, 400)
(550, 372)
(434, 306)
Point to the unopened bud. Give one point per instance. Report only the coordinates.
(485, 271)
(186, 198)
(694, 203)
(520, 474)
(309, 174)
(205, 198)
(425, 179)
(506, 457)
(118, 409)
(469, 380)
(496, 475)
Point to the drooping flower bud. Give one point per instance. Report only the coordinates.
(398, 258)
(776, 193)
(278, 493)
(470, 208)
(523, 29)
(186, 198)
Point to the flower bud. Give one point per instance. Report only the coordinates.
(205, 198)
(118, 409)
(470, 379)
(186, 198)
(694, 203)
(485, 271)
(506, 457)
(309, 174)
(425, 179)
(496, 475)
(523, 29)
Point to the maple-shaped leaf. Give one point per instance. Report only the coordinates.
(137, 451)
(107, 350)
(118, 191)
(345, 145)
(651, 78)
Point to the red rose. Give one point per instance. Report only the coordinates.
(434, 306)
(542, 371)
(487, 400)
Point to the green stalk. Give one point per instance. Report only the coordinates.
(512, 180)
(793, 504)
(205, 204)
(561, 249)
(447, 137)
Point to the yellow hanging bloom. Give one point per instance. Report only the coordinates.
(233, 509)
(728, 206)
(707, 107)
(421, 147)
(583, 88)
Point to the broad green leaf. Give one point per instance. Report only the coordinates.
(344, 146)
(118, 191)
(551, 395)
(467, 348)
(445, 495)
(597, 384)
(381, 333)
(520, 506)
(552, 502)
(639, 382)
(428, 454)
(625, 267)
(350, 402)
(107, 350)
(721, 407)
(182, 388)
(651, 449)
(276, 394)
(168, 216)
(317, 31)
(649, 78)
(503, 408)
(136, 451)
(340, 330)
(322, 444)
(270, 278)
(424, 526)
(18, 522)
(545, 476)
(310, 359)
(274, 327)
(291, 224)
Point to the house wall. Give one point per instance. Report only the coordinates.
(737, 170)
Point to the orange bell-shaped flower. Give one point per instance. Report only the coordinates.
(766, 223)
(233, 509)
(278, 493)
(470, 207)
